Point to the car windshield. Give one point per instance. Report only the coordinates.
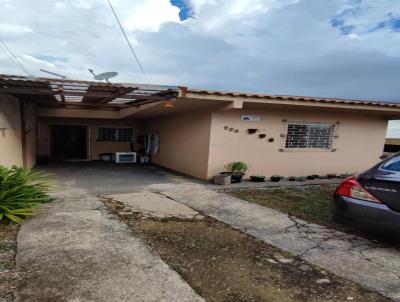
(392, 165)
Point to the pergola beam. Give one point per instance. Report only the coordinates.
(80, 93)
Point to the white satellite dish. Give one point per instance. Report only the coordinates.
(104, 75)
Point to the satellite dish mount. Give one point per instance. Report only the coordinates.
(103, 76)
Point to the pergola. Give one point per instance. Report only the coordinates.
(52, 92)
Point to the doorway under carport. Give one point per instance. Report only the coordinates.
(69, 141)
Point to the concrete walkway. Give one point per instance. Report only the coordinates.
(76, 251)
(372, 265)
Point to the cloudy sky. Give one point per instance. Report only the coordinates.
(332, 48)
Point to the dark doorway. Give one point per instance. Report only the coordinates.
(68, 142)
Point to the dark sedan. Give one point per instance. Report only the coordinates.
(371, 200)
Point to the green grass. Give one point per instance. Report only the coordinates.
(310, 203)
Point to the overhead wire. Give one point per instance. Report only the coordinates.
(10, 54)
(129, 43)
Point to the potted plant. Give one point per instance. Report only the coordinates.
(222, 179)
(237, 170)
(257, 178)
(275, 178)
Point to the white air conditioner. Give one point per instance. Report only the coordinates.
(125, 157)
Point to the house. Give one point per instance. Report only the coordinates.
(200, 131)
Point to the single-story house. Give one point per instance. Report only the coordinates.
(199, 131)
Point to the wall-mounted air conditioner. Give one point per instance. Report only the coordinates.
(125, 157)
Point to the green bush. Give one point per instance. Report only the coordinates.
(21, 191)
(237, 167)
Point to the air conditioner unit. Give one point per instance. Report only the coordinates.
(125, 157)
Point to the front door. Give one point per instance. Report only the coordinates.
(69, 142)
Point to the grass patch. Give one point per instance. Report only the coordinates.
(310, 203)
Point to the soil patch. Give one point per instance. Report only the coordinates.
(8, 250)
(223, 264)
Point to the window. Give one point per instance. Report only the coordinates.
(309, 135)
(392, 165)
(108, 134)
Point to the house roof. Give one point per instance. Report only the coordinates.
(61, 92)
(277, 98)
(53, 92)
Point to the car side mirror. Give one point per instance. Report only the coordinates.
(383, 156)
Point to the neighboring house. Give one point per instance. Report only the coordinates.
(199, 135)
(392, 145)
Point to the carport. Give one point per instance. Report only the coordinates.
(72, 119)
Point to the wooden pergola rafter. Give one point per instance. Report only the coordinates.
(56, 92)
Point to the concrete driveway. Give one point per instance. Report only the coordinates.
(76, 250)
(107, 178)
(367, 263)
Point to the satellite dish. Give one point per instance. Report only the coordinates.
(104, 75)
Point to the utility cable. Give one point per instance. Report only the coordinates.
(129, 43)
(13, 57)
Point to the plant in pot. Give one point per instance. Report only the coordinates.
(237, 170)
(275, 178)
(257, 178)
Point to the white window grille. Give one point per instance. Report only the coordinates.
(309, 135)
(111, 134)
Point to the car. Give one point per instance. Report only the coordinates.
(371, 200)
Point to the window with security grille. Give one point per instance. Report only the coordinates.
(110, 134)
(124, 134)
(309, 135)
(106, 134)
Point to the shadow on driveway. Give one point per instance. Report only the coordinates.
(107, 178)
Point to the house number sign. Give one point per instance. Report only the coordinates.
(250, 118)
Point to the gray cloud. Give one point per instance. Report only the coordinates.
(283, 47)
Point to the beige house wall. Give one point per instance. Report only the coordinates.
(31, 125)
(184, 142)
(94, 147)
(358, 146)
(10, 132)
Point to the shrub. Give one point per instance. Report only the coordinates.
(21, 191)
(237, 167)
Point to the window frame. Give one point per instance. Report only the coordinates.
(308, 148)
(116, 134)
(396, 159)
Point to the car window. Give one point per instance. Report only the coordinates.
(392, 165)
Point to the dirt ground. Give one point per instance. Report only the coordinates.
(8, 249)
(223, 264)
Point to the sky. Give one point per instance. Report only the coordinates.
(327, 48)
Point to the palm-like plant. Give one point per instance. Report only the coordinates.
(21, 191)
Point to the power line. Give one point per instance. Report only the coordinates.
(13, 57)
(129, 43)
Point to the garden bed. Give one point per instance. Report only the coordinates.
(223, 264)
